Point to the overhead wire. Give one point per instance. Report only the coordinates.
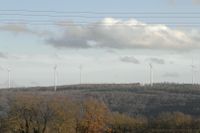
(99, 12)
(66, 15)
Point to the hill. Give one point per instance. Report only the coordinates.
(132, 99)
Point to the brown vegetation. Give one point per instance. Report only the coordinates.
(56, 113)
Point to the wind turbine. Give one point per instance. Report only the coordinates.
(151, 74)
(192, 66)
(55, 77)
(80, 74)
(9, 77)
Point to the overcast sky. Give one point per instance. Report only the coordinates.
(114, 41)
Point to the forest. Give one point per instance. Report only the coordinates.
(101, 108)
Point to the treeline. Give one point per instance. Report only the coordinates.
(34, 113)
(134, 99)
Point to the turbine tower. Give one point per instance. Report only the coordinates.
(192, 66)
(9, 77)
(151, 74)
(55, 77)
(80, 74)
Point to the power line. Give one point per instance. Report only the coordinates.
(93, 26)
(99, 12)
(98, 24)
(55, 22)
(85, 22)
(87, 16)
(100, 17)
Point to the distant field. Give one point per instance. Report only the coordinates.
(132, 99)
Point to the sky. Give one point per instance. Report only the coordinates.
(114, 41)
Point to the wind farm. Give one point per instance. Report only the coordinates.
(100, 66)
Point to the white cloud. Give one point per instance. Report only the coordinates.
(118, 34)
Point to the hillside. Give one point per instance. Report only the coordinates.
(132, 99)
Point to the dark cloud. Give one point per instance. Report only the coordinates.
(4, 56)
(22, 29)
(171, 75)
(174, 2)
(196, 1)
(111, 51)
(129, 59)
(156, 60)
(16, 28)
